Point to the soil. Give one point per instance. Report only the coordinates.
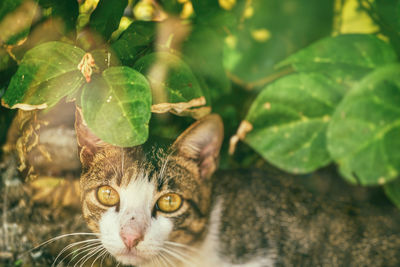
(27, 223)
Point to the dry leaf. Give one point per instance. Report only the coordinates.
(184, 108)
(196, 113)
(244, 128)
(86, 66)
(25, 107)
(56, 191)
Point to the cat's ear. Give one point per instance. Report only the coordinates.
(201, 142)
(88, 142)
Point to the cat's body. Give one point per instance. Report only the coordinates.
(267, 220)
(169, 208)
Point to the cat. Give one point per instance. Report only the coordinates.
(173, 208)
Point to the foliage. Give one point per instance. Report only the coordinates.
(119, 99)
(309, 95)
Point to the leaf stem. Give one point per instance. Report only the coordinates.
(261, 82)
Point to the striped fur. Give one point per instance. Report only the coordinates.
(141, 176)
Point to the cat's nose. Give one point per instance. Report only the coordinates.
(131, 239)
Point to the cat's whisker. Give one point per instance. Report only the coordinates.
(181, 249)
(97, 251)
(122, 161)
(171, 243)
(87, 250)
(90, 254)
(152, 260)
(160, 261)
(101, 253)
(92, 244)
(112, 166)
(163, 260)
(163, 167)
(105, 256)
(181, 257)
(177, 252)
(189, 255)
(51, 240)
(82, 251)
(70, 246)
(166, 259)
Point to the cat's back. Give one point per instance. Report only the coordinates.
(268, 220)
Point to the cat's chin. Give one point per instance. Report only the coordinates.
(130, 258)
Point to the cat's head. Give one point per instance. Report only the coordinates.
(146, 206)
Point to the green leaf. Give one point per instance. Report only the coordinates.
(47, 73)
(171, 79)
(66, 10)
(135, 41)
(392, 190)
(106, 17)
(273, 30)
(117, 106)
(352, 50)
(290, 118)
(364, 134)
(344, 58)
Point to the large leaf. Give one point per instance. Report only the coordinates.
(344, 58)
(364, 134)
(134, 41)
(352, 50)
(269, 31)
(106, 17)
(290, 118)
(171, 79)
(47, 73)
(116, 106)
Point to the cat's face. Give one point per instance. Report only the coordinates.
(147, 206)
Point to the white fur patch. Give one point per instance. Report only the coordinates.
(136, 200)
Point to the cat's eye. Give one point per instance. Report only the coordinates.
(107, 195)
(169, 203)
